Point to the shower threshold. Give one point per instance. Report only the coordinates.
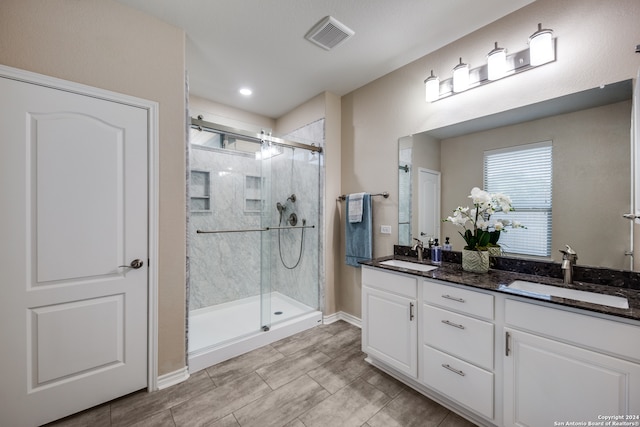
(227, 330)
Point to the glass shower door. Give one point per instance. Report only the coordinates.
(266, 222)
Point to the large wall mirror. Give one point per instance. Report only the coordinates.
(590, 133)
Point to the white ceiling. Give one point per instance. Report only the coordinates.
(260, 43)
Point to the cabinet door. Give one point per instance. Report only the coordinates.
(546, 381)
(389, 329)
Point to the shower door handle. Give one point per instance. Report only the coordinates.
(135, 264)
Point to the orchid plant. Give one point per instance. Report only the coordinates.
(479, 230)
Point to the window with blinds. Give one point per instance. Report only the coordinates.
(524, 173)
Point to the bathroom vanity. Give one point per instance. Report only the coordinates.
(501, 358)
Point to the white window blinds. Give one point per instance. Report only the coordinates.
(524, 173)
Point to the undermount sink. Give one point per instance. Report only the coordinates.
(408, 265)
(546, 291)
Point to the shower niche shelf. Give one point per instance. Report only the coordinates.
(253, 193)
(200, 193)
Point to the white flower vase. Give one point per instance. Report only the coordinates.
(495, 251)
(475, 261)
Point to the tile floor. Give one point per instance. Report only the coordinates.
(315, 378)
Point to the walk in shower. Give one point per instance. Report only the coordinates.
(253, 239)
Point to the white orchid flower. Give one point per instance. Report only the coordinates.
(503, 201)
(482, 224)
(480, 197)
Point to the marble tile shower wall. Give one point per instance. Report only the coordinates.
(226, 267)
(296, 172)
(306, 284)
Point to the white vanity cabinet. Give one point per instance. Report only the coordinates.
(457, 345)
(389, 319)
(563, 366)
(499, 359)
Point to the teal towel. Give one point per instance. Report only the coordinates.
(358, 235)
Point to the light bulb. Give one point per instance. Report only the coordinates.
(461, 77)
(432, 87)
(541, 47)
(497, 63)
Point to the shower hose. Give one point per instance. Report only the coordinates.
(304, 222)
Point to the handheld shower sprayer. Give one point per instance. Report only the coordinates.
(281, 208)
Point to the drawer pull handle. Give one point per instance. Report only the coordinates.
(455, 325)
(411, 316)
(447, 296)
(446, 366)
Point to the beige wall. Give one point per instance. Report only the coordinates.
(591, 178)
(595, 45)
(228, 116)
(333, 178)
(104, 44)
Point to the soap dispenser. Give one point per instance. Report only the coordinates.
(436, 253)
(447, 245)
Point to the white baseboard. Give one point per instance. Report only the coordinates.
(173, 378)
(341, 315)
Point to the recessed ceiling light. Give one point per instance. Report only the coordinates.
(245, 91)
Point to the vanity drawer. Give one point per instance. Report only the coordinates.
(610, 336)
(458, 299)
(461, 381)
(462, 336)
(390, 282)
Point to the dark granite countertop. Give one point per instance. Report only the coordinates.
(452, 272)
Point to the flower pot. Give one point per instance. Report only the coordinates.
(494, 250)
(475, 261)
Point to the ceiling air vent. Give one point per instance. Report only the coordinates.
(329, 33)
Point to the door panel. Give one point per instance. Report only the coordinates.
(54, 331)
(73, 187)
(70, 246)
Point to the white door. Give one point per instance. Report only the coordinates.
(429, 204)
(73, 210)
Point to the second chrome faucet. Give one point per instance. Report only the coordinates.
(569, 258)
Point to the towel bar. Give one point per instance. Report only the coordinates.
(344, 196)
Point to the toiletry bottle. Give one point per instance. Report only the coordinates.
(447, 245)
(436, 253)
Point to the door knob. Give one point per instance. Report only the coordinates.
(135, 264)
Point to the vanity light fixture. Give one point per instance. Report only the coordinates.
(497, 63)
(541, 47)
(432, 86)
(461, 77)
(542, 50)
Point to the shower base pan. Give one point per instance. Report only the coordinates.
(221, 332)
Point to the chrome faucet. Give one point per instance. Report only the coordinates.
(419, 246)
(569, 258)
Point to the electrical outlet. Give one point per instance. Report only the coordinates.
(385, 229)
